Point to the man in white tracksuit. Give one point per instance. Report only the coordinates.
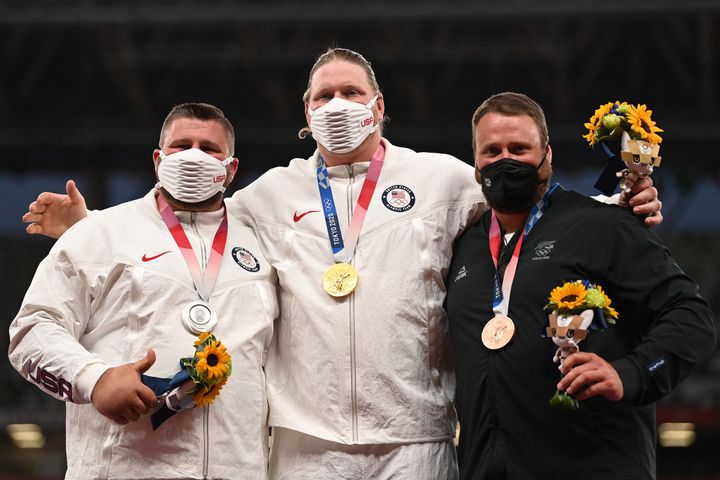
(368, 373)
(116, 285)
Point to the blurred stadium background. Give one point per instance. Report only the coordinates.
(85, 85)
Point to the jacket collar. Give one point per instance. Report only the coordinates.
(354, 169)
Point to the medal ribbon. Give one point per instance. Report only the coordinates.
(501, 291)
(203, 283)
(344, 251)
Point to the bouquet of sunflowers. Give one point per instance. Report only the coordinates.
(633, 127)
(610, 119)
(209, 368)
(198, 383)
(575, 307)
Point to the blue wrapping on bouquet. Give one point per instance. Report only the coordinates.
(172, 396)
(608, 181)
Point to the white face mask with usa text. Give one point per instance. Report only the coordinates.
(341, 125)
(192, 176)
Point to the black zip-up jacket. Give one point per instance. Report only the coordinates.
(508, 430)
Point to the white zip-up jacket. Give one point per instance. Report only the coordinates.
(372, 367)
(115, 285)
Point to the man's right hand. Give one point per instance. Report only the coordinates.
(120, 395)
(53, 213)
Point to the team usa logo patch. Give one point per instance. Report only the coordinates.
(398, 198)
(245, 259)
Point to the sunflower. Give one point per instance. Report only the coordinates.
(213, 360)
(201, 338)
(639, 118)
(571, 295)
(591, 136)
(206, 395)
(596, 121)
(606, 303)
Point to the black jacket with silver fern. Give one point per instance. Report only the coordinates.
(508, 429)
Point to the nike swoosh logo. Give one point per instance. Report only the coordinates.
(145, 258)
(297, 218)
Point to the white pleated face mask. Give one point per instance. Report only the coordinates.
(192, 176)
(341, 125)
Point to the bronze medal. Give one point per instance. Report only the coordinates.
(498, 332)
(340, 279)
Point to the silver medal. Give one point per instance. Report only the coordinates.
(199, 317)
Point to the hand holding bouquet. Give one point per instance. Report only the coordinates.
(574, 307)
(198, 383)
(637, 133)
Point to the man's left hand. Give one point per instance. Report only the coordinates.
(586, 375)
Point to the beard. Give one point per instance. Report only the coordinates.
(543, 185)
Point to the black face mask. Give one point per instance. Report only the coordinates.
(510, 186)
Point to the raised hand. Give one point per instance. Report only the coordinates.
(644, 201)
(53, 213)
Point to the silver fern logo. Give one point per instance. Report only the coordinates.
(543, 250)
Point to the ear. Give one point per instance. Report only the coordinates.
(380, 105)
(587, 317)
(307, 115)
(232, 169)
(156, 160)
(548, 153)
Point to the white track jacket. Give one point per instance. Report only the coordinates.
(115, 285)
(372, 367)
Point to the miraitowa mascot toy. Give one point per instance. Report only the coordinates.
(574, 309)
(628, 136)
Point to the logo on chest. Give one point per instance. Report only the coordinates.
(462, 273)
(543, 250)
(398, 198)
(245, 259)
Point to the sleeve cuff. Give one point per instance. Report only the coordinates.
(87, 379)
(614, 200)
(631, 379)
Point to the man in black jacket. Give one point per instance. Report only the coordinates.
(504, 362)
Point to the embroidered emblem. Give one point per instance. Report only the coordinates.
(398, 198)
(461, 274)
(297, 218)
(245, 259)
(543, 250)
(145, 258)
(656, 364)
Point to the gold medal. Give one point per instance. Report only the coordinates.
(498, 332)
(340, 279)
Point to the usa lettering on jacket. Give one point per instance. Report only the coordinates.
(57, 385)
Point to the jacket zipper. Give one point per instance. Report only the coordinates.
(206, 409)
(203, 248)
(351, 307)
(206, 441)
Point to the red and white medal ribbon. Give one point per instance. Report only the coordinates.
(198, 316)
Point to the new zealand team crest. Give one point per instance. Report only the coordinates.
(245, 259)
(398, 198)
